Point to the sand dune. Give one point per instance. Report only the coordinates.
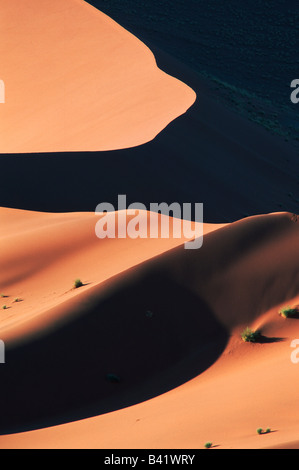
(147, 353)
(42, 254)
(208, 155)
(182, 363)
(68, 56)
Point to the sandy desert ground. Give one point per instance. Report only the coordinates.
(220, 388)
(148, 352)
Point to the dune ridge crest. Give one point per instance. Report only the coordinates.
(202, 299)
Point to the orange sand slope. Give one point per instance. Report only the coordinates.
(42, 250)
(68, 56)
(165, 322)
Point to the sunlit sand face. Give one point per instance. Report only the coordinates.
(77, 81)
(168, 320)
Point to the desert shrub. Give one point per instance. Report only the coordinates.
(288, 311)
(249, 335)
(208, 445)
(4, 307)
(78, 283)
(259, 430)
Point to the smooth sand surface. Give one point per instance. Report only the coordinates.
(68, 56)
(148, 352)
(209, 155)
(242, 275)
(42, 254)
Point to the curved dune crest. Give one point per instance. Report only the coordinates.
(42, 254)
(77, 81)
(199, 301)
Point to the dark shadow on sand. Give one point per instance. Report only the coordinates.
(112, 356)
(267, 339)
(209, 155)
(294, 316)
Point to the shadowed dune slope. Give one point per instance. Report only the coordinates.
(154, 325)
(77, 81)
(58, 339)
(42, 254)
(209, 154)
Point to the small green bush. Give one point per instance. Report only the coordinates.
(288, 311)
(248, 335)
(208, 445)
(268, 430)
(259, 430)
(4, 307)
(78, 283)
